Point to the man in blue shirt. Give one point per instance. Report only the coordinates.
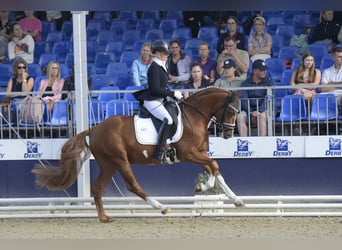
(253, 101)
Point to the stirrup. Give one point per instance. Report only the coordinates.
(170, 153)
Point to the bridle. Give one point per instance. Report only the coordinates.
(227, 104)
(220, 124)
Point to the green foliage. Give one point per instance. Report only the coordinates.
(203, 178)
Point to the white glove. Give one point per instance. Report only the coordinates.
(178, 94)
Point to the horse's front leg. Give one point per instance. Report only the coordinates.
(211, 166)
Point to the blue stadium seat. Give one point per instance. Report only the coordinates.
(95, 114)
(93, 28)
(130, 16)
(91, 51)
(154, 34)
(129, 38)
(176, 14)
(99, 81)
(44, 59)
(301, 20)
(37, 82)
(91, 68)
(5, 73)
(276, 67)
(67, 28)
(115, 108)
(287, 31)
(123, 80)
(207, 33)
(61, 49)
(295, 63)
(132, 104)
(139, 43)
(279, 93)
(277, 43)
(168, 25)
(59, 116)
(326, 62)
(104, 37)
(182, 34)
(116, 68)
(293, 108)
(34, 70)
(47, 26)
(119, 26)
(69, 59)
(40, 48)
(289, 52)
(128, 57)
(115, 47)
(150, 14)
(193, 45)
(65, 71)
(143, 25)
(324, 107)
(102, 59)
(319, 51)
(105, 16)
(55, 36)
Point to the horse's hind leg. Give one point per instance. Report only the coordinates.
(134, 187)
(106, 173)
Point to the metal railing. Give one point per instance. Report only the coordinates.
(100, 110)
(182, 206)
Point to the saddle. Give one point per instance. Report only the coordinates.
(173, 110)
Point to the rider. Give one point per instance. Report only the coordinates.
(154, 96)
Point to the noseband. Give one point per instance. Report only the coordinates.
(227, 104)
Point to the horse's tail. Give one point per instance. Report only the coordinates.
(74, 152)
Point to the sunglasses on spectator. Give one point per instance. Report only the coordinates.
(231, 23)
(21, 67)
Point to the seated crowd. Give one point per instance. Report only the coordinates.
(241, 58)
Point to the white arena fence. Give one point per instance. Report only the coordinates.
(191, 206)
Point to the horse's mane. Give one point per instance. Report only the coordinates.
(205, 91)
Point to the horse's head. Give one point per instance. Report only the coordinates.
(226, 116)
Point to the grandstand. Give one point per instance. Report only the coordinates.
(111, 38)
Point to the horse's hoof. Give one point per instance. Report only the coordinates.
(239, 203)
(198, 188)
(166, 211)
(106, 219)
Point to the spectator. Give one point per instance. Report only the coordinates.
(239, 56)
(232, 30)
(208, 64)
(253, 101)
(229, 78)
(327, 30)
(259, 42)
(21, 81)
(305, 74)
(178, 65)
(4, 34)
(57, 17)
(53, 83)
(21, 46)
(333, 75)
(69, 85)
(31, 25)
(141, 65)
(197, 79)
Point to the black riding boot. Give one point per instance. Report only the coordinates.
(162, 137)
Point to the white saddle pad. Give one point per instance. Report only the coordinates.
(146, 133)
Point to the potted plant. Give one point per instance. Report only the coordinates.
(216, 190)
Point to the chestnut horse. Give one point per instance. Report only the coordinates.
(114, 147)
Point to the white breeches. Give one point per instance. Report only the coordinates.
(157, 109)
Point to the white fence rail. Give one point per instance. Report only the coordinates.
(185, 206)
